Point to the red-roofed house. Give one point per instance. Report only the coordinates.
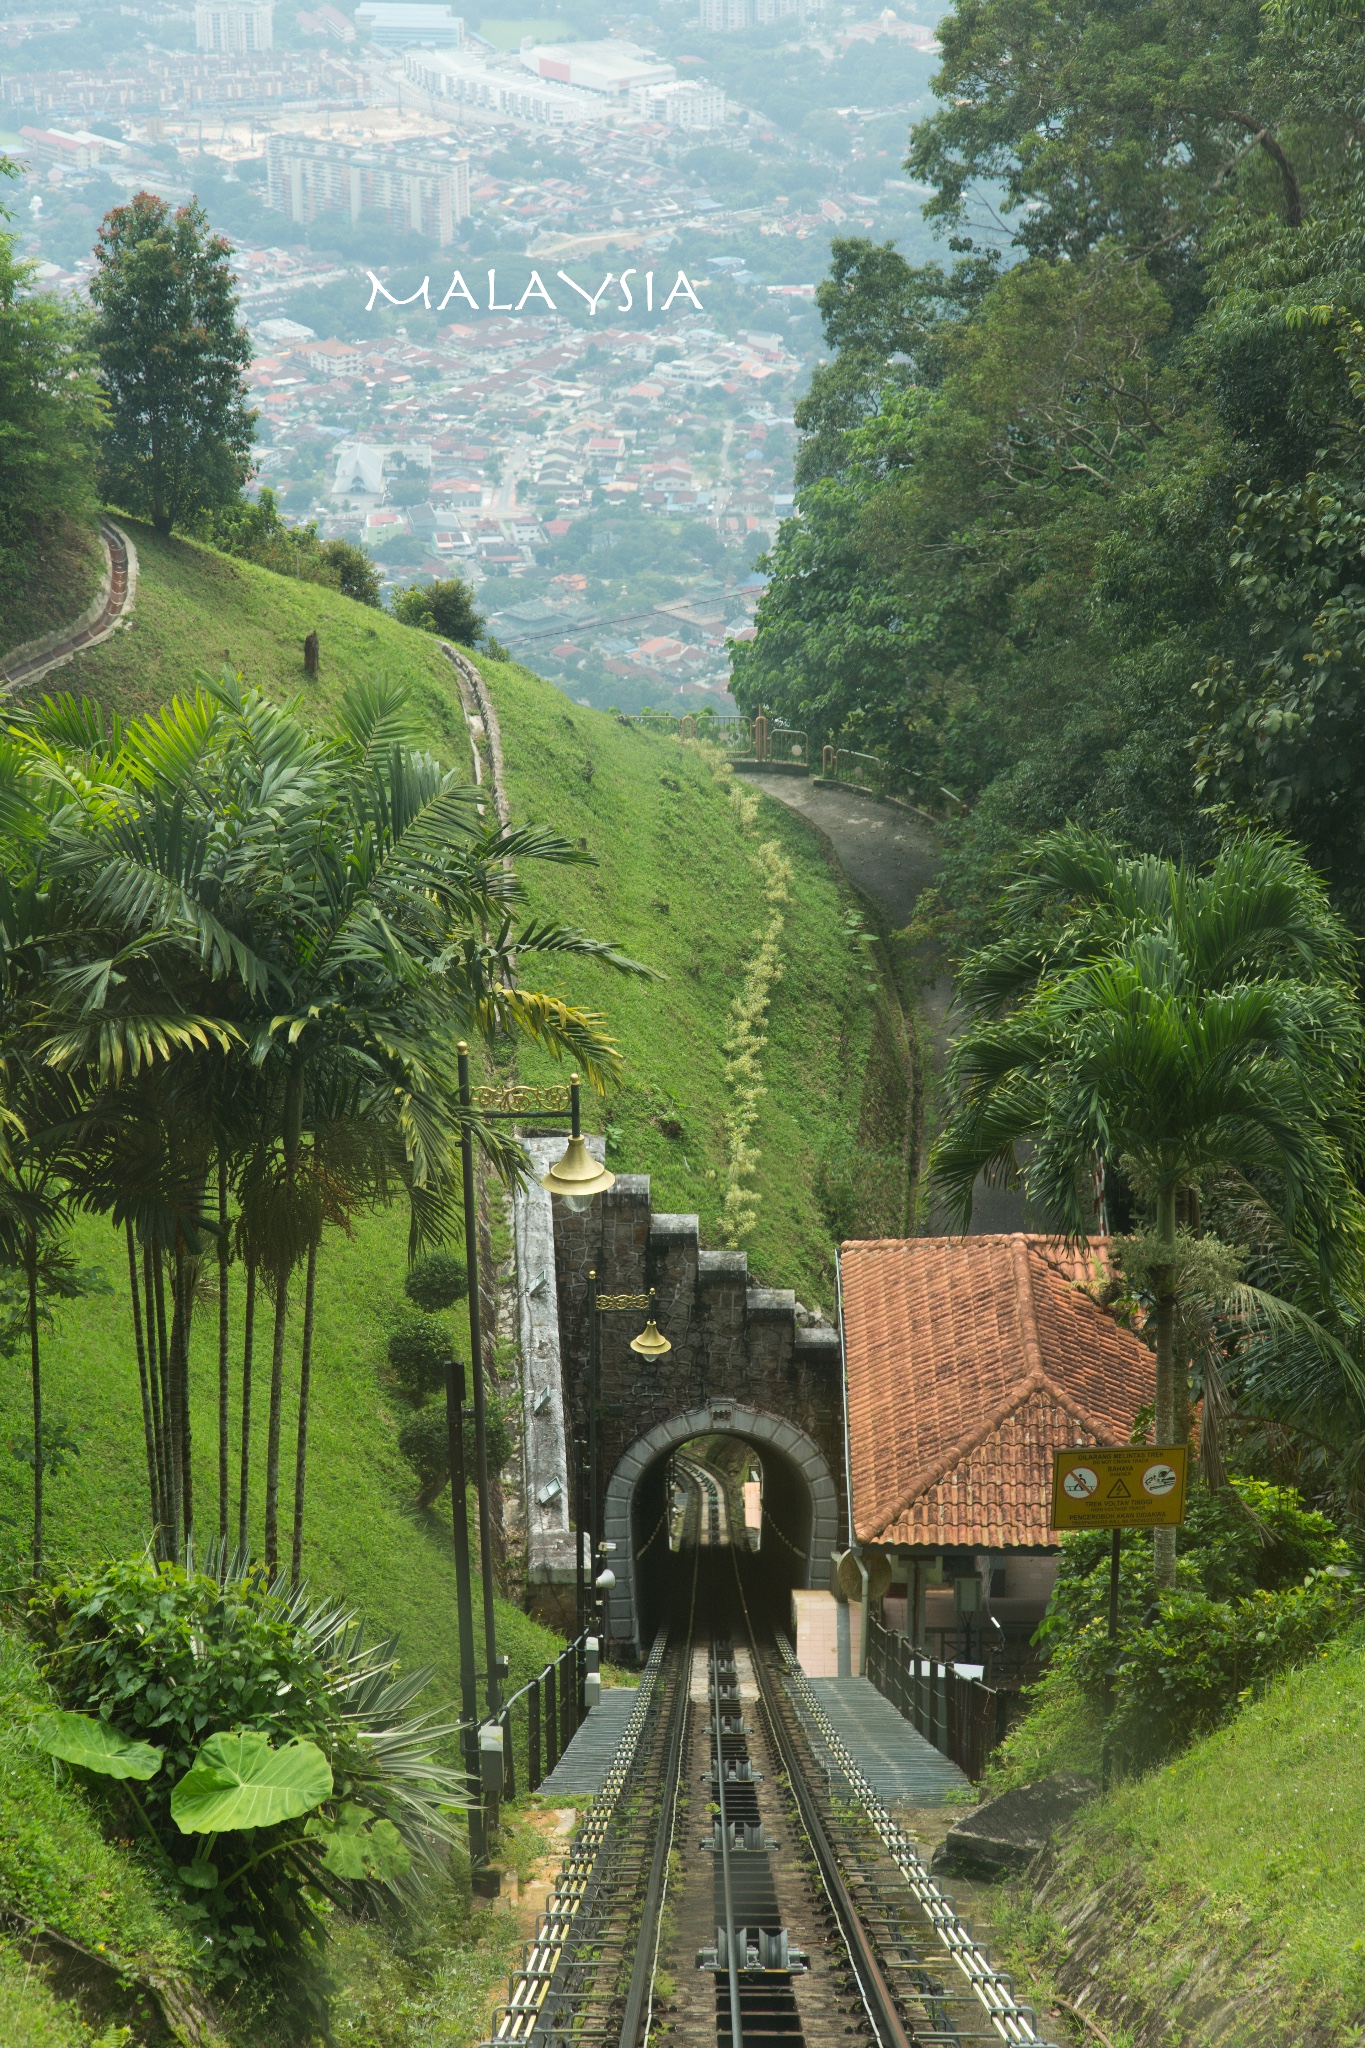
(968, 1361)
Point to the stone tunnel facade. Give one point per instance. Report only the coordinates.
(736, 1345)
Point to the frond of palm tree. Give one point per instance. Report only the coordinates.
(1259, 908)
(1144, 1046)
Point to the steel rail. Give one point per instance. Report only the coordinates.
(727, 1878)
(877, 1996)
(992, 1989)
(572, 1920)
(639, 2013)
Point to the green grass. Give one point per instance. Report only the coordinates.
(64, 578)
(197, 609)
(676, 886)
(57, 1868)
(1241, 1860)
(363, 1539)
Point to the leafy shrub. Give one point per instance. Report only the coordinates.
(424, 1441)
(1198, 1659)
(418, 1353)
(254, 530)
(222, 1679)
(1249, 1537)
(445, 608)
(437, 1282)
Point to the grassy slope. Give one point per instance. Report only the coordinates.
(677, 887)
(1233, 1873)
(57, 1868)
(685, 847)
(64, 578)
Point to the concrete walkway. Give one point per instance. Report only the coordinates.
(902, 1768)
(585, 1763)
(892, 856)
(103, 616)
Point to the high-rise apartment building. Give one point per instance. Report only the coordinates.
(723, 17)
(234, 28)
(419, 191)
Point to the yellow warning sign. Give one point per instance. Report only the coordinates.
(1136, 1487)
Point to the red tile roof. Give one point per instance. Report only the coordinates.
(969, 1360)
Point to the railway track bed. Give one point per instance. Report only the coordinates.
(738, 1883)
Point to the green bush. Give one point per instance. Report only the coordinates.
(174, 1657)
(418, 1352)
(437, 1282)
(1250, 1537)
(424, 1441)
(1201, 1659)
(445, 607)
(254, 530)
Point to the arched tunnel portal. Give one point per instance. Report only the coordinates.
(800, 1500)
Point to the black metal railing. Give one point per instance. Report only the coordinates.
(549, 1710)
(963, 1718)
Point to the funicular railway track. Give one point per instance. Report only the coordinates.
(737, 1882)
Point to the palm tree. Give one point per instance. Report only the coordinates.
(276, 940)
(1187, 1025)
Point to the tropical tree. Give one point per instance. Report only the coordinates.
(50, 414)
(1180, 1025)
(171, 354)
(273, 942)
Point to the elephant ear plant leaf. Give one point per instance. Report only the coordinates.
(95, 1746)
(238, 1781)
(359, 1847)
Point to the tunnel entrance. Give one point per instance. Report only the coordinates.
(775, 1501)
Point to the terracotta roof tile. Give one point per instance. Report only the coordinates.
(969, 1360)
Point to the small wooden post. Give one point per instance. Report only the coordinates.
(310, 654)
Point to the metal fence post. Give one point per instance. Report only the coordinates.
(533, 1738)
(509, 1759)
(551, 1720)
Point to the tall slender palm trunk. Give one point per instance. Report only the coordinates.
(36, 1376)
(305, 1383)
(248, 1340)
(223, 1332)
(156, 1382)
(166, 1374)
(272, 1439)
(145, 1386)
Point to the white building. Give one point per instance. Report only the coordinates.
(610, 67)
(410, 24)
(723, 17)
(686, 103)
(234, 28)
(502, 94)
(415, 189)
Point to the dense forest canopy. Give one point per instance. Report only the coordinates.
(1081, 518)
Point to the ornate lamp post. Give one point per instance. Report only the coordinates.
(651, 1343)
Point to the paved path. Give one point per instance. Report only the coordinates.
(901, 1767)
(892, 856)
(585, 1763)
(103, 617)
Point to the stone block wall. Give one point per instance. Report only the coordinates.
(730, 1340)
